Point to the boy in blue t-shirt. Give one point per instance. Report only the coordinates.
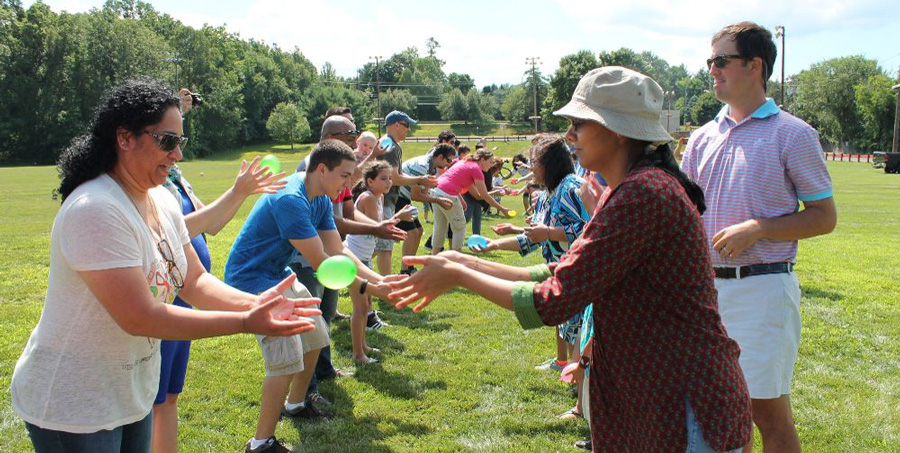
(296, 219)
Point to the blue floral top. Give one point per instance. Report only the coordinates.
(560, 208)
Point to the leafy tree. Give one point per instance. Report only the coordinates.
(876, 102)
(562, 84)
(453, 106)
(401, 100)
(517, 105)
(480, 108)
(462, 81)
(286, 123)
(826, 98)
(705, 109)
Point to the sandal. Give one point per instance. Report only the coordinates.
(571, 414)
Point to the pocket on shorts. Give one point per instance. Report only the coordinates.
(281, 351)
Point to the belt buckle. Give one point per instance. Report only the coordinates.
(737, 273)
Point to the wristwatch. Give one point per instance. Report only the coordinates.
(584, 362)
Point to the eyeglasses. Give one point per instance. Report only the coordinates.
(167, 141)
(353, 134)
(721, 60)
(404, 124)
(166, 251)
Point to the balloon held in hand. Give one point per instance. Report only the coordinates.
(336, 272)
(272, 162)
(477, 241)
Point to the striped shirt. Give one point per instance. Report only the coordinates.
(417, 166)
(757, 168)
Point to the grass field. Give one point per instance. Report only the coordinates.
(460, 376)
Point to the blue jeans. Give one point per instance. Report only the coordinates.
(473, 212)
(134, 437)
(324, 367)
(696, 444)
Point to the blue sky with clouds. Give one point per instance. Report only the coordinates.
(490, 40)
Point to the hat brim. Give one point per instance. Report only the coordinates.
(629, 126)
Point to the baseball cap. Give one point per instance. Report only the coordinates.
(397, 116)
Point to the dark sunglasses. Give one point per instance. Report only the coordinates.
(166, 251)
(721, 60)
(404, 124)
(353, 134)
(167, 141)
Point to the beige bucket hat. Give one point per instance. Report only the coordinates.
(624, 101)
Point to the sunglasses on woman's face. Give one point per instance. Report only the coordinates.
(720, 60)
(167, 141)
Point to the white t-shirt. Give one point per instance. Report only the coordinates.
(80, 372)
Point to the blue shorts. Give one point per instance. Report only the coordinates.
(174, 357)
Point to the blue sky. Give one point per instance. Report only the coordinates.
(490, 40)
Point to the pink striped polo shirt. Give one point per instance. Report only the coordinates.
(758, 168)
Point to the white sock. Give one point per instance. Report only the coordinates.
(294, 406)
(256, 443)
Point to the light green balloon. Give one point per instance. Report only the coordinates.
(336, 272)
(272, 162)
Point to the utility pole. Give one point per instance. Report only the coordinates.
(779, 32)
(175, 57)
(378, 90)
(669, 95)
(534, 61)
(896, 147)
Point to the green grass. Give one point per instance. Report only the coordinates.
(459, 376)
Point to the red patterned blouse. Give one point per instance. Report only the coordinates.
(643, 262)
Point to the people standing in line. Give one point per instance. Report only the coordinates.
(296, 219)
(664, 375)
(348, 221)
(756, 163)
(201, 220)
(397, 125)
(120, 254)
(437, 159)
(465, 174)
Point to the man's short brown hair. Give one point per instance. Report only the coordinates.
(752, 40)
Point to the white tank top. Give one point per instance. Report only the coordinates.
(363, 245)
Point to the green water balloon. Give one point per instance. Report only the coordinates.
(336, 272)
(272, 162)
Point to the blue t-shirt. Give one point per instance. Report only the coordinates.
(262, 250)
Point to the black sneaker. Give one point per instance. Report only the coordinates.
(408, 271)
(317, 398)
(374, 322)
(428, 243)
(271, 446)
(583, 444)
(309, 411)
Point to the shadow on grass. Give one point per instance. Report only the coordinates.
(551, 425)
(347, 433)
(817, 293)
(395, 385)
(425, 320)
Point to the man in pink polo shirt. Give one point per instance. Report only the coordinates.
(754, 163)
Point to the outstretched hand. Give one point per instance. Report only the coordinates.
(277, 315)
(436, 276)
(387, 229)
(253, 179)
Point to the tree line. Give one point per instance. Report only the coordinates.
(56, 67)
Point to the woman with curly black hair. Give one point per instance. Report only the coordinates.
(120, 253)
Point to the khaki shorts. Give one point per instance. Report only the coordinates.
(284, 355)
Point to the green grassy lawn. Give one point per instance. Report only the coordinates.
(460, 377)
